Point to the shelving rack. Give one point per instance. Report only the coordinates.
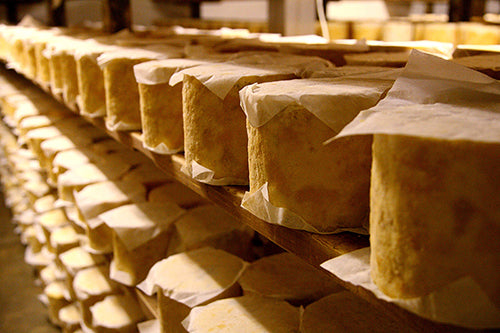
(313, 248)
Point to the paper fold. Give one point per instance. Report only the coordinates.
(136, 224)
(435, 98)
(204, 175)
(460, 303)
(258, 204)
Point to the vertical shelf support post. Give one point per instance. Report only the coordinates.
(116, 15)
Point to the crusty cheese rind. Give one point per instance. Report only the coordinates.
(433, 214)
(327, 200)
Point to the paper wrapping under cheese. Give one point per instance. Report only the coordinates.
(94, 282)
(99, 236)
(135, 224)
(285, 277)
(244, 314)
(77, 259)
(176, 192)
(52, 220)
(39, 107)
(51, 273)
(209, 225)
(72, 158)
(302, 114)
(31, 122)
(97, 198)
(160, 71)
(116, 313)
(63, 239)
(221, 78)
(194, 277)
(58, 297)
(345, 312)
(450, 112)
(140, 238)
(70, 317)
(39, 259)
(30, 237)
(161, 104)
(88, 174)
(122, 95)
(52, 146)
(445, 305)
(92, 285)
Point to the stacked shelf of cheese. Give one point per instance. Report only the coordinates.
(146, 218)
(292, 127)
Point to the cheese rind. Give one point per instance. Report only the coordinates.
(432, 215)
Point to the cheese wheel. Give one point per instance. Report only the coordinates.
(433, 214)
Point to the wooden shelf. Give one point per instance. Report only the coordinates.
(313, 248)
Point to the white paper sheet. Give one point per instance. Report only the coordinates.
(461, 303)
(150, 326)
(186, 295)
(160, 71)
(136, 224)
(435, 98)
(220, 78)
(204, 175)
(258, 204)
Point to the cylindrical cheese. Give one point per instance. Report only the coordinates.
(434, 214)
